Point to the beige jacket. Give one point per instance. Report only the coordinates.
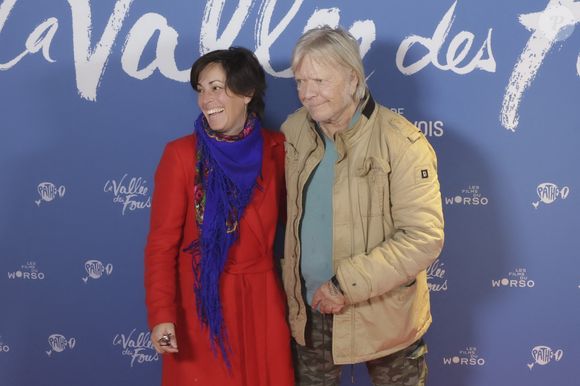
(387, 229)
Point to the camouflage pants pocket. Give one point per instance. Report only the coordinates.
(313, 363)
(407, 367)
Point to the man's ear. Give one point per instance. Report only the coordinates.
(353, 84)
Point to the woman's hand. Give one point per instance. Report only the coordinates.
(164, 339)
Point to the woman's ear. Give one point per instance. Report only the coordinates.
(248, 98)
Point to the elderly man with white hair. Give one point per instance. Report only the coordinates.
(364, 221)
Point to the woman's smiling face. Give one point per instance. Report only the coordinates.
(225, 111)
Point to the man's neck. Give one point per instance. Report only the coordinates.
(330, 129)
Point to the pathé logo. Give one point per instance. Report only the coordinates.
(549, 192)
(543, 355)
(48, 192)
(95, 269)
(58, 343)
(3, 347)
(132, 194)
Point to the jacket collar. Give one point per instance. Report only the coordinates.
(353, 133)
(348, 137)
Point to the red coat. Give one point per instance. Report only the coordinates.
(252, 301)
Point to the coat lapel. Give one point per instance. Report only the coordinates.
(252, 215)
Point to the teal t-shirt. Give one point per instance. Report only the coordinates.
(316, 229)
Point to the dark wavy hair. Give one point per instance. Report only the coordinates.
(244, 74)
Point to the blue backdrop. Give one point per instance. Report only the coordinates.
(90, 91)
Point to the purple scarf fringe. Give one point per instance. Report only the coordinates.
(232, 172)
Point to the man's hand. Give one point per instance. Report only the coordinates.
(328, 299)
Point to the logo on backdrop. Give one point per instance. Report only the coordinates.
(467, 357)
(470, 196)
(548, 193)
(518, 278)
(48, 192)
(91, 55)
(428, 128)
(131, 193)
(136, 346)
(554, 24)
(455, 61)
(436, 280)
(4, 348)
(58, 343)
(95, 269)
(27, 271)
(544, 355)
(557, 22)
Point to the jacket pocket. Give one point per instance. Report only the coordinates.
(291, 170)
(373, 186)
(291, 152)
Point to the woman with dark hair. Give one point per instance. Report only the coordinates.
(214, 301)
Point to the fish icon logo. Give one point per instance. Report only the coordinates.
(95, 269)
(48, 192)
(543, 355)
(58, 343)
(549, 192)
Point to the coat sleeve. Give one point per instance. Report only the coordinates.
(417, 216)
(168, 213)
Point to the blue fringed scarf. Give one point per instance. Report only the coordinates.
(227, 171)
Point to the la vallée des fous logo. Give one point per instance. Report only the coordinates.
(518, 278)
(4, 347)
(95, 270)
(59, 343)
(548, 193)
(131, 193)
(48, 192)
(27, 271)
(137, 346)
(544, 355)
(467, 357)
(436, 278)
(470, 196)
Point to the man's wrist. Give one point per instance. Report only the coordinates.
(334, 282)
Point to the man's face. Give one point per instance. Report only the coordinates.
(325, 90)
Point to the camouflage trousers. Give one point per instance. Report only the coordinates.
(314, 365)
